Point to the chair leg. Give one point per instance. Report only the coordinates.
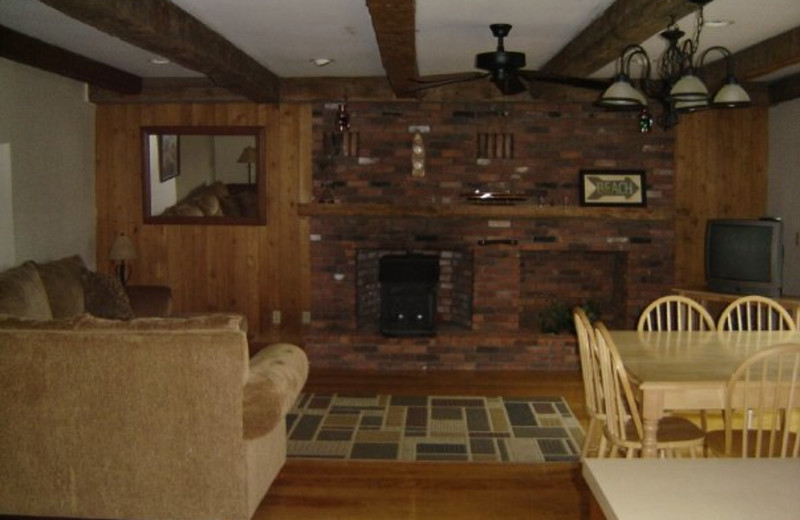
(603, 447)
(589, 448)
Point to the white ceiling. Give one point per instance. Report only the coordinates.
(753, 22)
(285, 35)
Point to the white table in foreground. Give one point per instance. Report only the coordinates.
(686, 370)
(669, 489)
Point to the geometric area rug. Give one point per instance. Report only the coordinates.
(433, 428)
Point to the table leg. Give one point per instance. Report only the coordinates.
(650, 428)
(652, 411)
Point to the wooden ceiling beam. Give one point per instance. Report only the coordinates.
(394, 22)
(42, 55)
(315, 90)
(784, 89)
(623, 23)
(759, 59)
(161, 27)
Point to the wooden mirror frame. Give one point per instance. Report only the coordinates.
(259, 183)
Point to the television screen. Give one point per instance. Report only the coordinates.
(742, 252)
(744, 256)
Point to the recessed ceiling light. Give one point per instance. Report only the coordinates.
(321, 62)
(158, 60)
(717, 23)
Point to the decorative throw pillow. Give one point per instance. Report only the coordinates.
(63, 280)
(229, 206)
(22, 293)
(106, 297)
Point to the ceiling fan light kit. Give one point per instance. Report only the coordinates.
(679, 89)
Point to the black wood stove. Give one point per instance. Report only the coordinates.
(408, 294)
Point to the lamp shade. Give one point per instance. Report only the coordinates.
(689, 88)
(122, 249)
(622, 95)
(248, 155)
(691, 106)
(731, 95)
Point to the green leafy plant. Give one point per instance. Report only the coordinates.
(557, 317)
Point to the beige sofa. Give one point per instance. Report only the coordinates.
(65, 288)
(217, 200)
(161, 418)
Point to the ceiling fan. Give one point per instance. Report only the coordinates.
(505, 70)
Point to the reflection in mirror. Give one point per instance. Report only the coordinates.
(203, 175)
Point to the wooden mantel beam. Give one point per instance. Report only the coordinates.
(394, 22)
(36, 53)
(163, 28)
(623, 23)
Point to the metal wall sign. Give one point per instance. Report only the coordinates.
(612, 188)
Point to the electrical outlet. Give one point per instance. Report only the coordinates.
(276, 317)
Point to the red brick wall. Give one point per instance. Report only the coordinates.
(621, 264)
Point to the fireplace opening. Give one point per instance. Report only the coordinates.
(408, 294)
(553, 282)
(454, 289)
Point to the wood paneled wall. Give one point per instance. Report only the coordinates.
(254, 270)
(720, 172)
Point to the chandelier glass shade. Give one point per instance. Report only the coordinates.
(679, 88)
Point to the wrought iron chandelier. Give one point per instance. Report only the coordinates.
(679, 88)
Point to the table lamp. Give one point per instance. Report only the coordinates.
(122, 250)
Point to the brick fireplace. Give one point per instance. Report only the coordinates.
(503, 269)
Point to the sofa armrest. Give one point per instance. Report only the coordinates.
(276, 377)
(150, 300)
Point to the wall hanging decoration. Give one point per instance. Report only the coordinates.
(495, 145)
(417, 156)
(169, 153)
(612, 188)
(341, 141)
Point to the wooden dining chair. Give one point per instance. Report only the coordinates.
(594, 442)
(623, 425)
(755, 313)
(677, 313)
(674, 312)
(762, 407)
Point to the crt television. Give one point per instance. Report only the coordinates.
(744, 256)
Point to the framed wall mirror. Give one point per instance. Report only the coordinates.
(203, 175)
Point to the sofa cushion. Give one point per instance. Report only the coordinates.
(213, 321)
(63, 281)
(216, 321)
(8, 322)
(106, 297)
(23, 294)
(277, 375)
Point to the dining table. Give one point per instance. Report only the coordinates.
(733, 489)
(686, 370)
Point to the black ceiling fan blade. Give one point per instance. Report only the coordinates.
(440, 80)
(572, 81)
(510, 85)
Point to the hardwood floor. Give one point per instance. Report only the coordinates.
(419, 491)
